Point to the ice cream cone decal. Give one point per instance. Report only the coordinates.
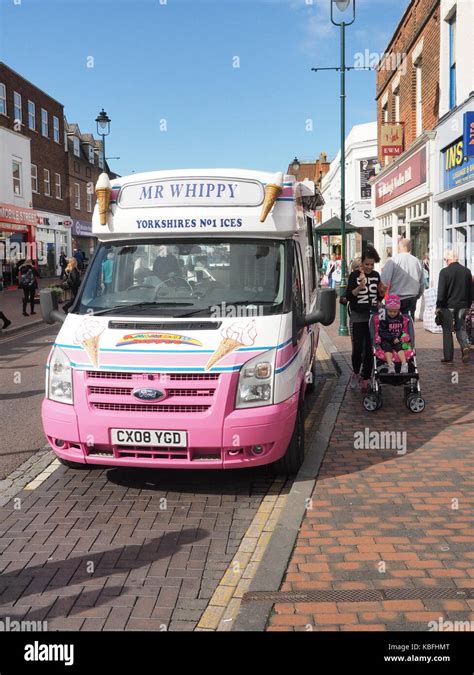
(238, 334)
(272, 192)
(88, 336)
(103, 190)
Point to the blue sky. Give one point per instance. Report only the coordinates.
(173, 60)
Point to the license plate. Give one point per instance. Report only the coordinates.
(149, 437)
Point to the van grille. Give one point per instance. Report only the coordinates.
(113, 391)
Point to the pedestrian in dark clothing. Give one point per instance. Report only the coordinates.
(73, 281)
(6, 322)
(79, 256)
(28, 281)
(453, 303)
(363, 295)
(62, 265)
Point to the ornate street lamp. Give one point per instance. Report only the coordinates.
(296, 166)
(342, 6)
(103, 128)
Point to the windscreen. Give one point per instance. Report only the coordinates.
(173, 278)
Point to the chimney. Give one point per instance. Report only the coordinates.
(323, 157)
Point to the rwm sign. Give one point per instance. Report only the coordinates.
(391, 138)
(191, 192)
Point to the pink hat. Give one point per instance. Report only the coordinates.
(392, 302)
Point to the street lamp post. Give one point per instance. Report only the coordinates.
(342, 6)
(296, 167)
(103, 129)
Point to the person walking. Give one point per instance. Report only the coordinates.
(452, 305)
(73, 281)
(404, 276)
(6, 322)
(363, 295)
(331, 268)
(62, 265)
(28, 282)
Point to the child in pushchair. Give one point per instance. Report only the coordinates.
(392, 336)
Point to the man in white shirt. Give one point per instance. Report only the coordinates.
(404, 276)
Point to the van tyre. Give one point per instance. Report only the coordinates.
(72, 465)
(292, 460)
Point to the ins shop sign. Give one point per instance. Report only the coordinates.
(457, 168)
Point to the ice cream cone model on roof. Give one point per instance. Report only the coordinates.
(272, 192)
(103, 190)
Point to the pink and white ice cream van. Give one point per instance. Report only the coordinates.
(192, 339)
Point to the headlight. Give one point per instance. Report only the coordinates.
(255, 387)
(59, 378)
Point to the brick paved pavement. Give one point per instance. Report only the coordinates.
(102, 550)
(383, 520)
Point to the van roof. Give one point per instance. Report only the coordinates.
(197, 202)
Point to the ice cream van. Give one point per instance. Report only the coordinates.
(192, 340)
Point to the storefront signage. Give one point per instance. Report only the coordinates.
(81, 228)
(391, 136)
(17, 215)
(409, 174)
(468, 136)
(458, 169)
(367, 171)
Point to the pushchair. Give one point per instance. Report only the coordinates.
(380, 375)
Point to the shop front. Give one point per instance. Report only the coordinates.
(82, 238)
(53, 236)
(403, 202)
(17, 240)
(454, 195)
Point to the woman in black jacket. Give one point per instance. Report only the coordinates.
(29, 283)
(73, 281)
(363, 294)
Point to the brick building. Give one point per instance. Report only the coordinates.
(314, 171)
(85, 163)
(408, 98)
(40, 171)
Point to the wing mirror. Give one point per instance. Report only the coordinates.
(325, 311)
(49, 307)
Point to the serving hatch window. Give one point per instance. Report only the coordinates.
(176, 278)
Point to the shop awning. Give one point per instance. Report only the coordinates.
(333, 227)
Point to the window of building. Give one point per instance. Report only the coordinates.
(57, 182)
(16, 173)
(91, 154)
(89, 201)
(385, 114)
(77, 196)
(88, 172)
(77, 150)
(101, 159)
(77, 167)
(47, 182)
(44, 122)
(448, 209)
(3, 99)
(56, 128)
(452, 62)
(17, 106)
(34, 178)
(461, 211)
(396, 105)
(31, 116)
(418, 98)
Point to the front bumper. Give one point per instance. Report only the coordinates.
(213, 442)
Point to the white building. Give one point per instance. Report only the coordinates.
(361, 159)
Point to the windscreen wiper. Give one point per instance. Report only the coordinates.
(136, 305)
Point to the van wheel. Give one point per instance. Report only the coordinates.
(72, 465)
(311, 386)
(292, 460)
